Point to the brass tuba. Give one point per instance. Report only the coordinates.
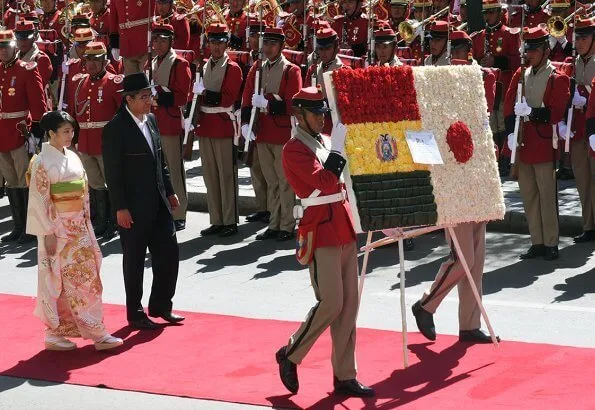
(408, 28)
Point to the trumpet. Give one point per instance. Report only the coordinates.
(462, 26)
(68, 12)
(409, 29)
(558, 26)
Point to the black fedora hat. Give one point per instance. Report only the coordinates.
(135, 82)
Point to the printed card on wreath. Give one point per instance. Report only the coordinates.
(387, 189)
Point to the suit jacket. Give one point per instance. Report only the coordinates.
(136, 179)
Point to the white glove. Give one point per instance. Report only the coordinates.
(578, 101)
(198, 87)
(338, 137)
(553, 40)
(65, 68)
(188, 125)
(511, 141)
(563, 129)
(419, 30)
(32, 144)
(116, 53)
(247, 132)
(522, 109)
(563, 41)
(259, 101)
(592, 142)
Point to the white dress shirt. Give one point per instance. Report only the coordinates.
(144, 128)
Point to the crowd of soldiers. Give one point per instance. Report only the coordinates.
(225, 74)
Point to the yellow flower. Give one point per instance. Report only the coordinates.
(360, 146)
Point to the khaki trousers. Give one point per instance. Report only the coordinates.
(95, 170)
(13, 166)
(537, 183)
(497, 119)
(333, 274)
(280, 196)
(134, 64)
(471, 237)
(258, 183)
(221, 179)
(582, 164)
(172, 149)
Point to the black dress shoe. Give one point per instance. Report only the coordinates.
(266, 217)
(284, 236)
(228, 230)
(551, 253)
(211, 230)
(287, 371)
(424, 320)
(268, 234)
(352, 388)
(168, 317)
(586, 236)
(257, 216)
(180, 224)
(143, 324)
(408, 244)
(475, 336)
(535, 251)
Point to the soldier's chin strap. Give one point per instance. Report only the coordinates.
(310, 131)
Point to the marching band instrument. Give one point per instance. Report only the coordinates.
(408, 29)
(558, 26)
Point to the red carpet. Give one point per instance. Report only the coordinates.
(232, 359)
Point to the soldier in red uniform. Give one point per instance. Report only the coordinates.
(129, 24)
(534, 15)
(237, 21)
(173, 77)
(497, 46)
(583, 164)
(399, 12)
(15, 12)
(28, 50)
(164, 10)
(419, 46)
(546, 95)
(93, 101)
(326, 243)
(353, 25)
(386, 42)
(218, 132)
(100, 19)
(20, 89)
(49, 19)
(279, 81)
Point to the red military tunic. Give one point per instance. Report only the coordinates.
(10, 18)
(51, 21)
(533, 18)
(273, 128)
(181, 30)
(101, 22)
(21, 98)
(44, 64)
(305, 173)
(219, 125)
(489, 85)
(503, 43)
(416, 51)
(356, 28)
(237, 26)
(93, 102)
(169, 119)
(537, 137)
(129, 22)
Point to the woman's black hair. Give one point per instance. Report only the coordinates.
(52, 120)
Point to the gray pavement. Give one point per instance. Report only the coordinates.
(533, 301)
(514, 220)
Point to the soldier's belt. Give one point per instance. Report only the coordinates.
(135, 23)
(216, 110)
(323, 200)
(13, 115)
(92, 125)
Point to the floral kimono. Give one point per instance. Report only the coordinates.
(69, 287)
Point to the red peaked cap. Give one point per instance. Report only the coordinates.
(311, 99)
(325, 37)
(535, 37)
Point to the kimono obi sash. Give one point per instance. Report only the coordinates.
(68, 196)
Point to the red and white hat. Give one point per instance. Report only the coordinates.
(83, 35)
(491, 4)
(24, 30)
(95, 49)
(7, 38)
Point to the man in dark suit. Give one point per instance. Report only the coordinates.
(142, 197)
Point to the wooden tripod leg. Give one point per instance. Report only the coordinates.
(362, 276)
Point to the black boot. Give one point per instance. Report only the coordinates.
(14, 199)
(24, 237)
(101, 212)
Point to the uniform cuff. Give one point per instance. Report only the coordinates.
(335, 163)
(540, 115)
(277, 107)
(165, 99)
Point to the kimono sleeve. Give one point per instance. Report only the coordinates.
(42, 216)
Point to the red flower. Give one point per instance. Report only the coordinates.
(460, 142)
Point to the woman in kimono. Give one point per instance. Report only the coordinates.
(69, 287)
